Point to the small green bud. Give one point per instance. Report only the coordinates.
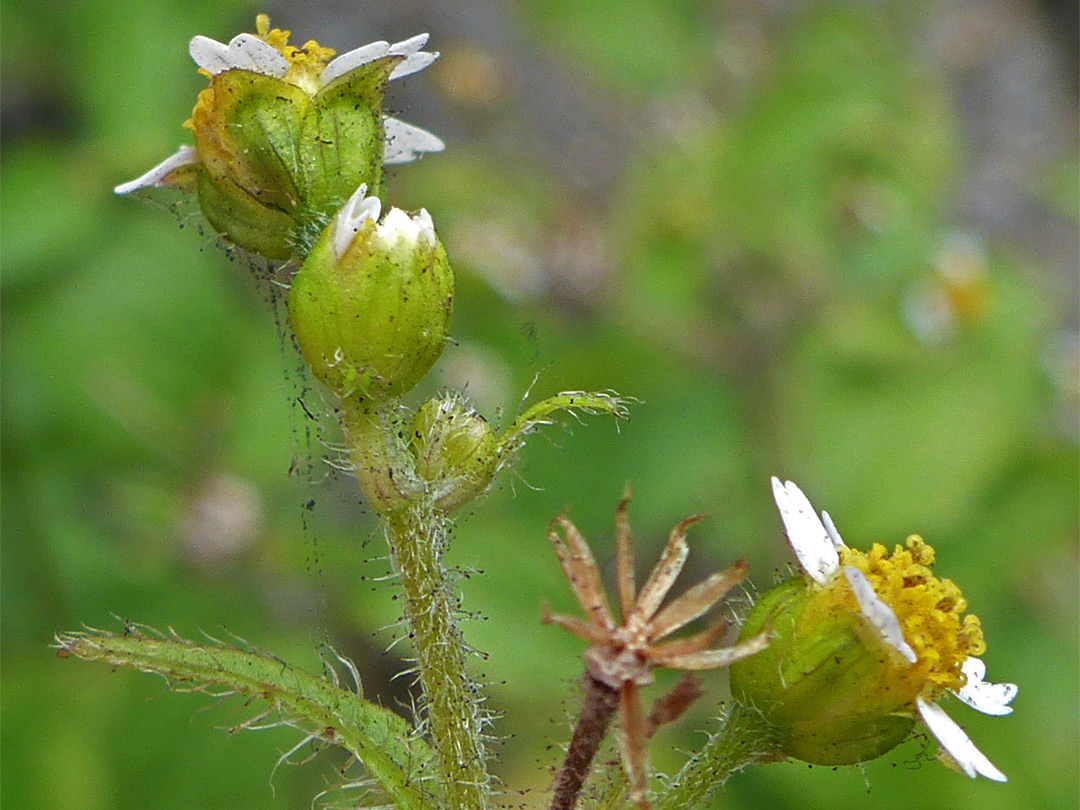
(370, 307)
(456, 452)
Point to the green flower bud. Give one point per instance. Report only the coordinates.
(861, 647)
(370, 307)
(283, 135)
(455, 449)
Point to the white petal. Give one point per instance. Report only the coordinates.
(405, 143)
(348, 62)
(244, 52)
(956, 743)
(988, 698)
(353, 214)
(413, 64)
(427, 227)
(408, 47)
(398, 226)
(415, 60)
(209, 54)
(830, 528)
(806, 534)
(184, 157)
(248, 52)
(879, 613)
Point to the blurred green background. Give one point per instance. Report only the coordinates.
(830, 241)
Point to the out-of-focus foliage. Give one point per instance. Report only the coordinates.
(790, 232)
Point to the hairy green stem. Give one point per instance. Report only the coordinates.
(745, 739)
(376, 437)
(377, 443)
(417, 539)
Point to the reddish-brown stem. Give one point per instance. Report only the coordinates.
(598, 705)
(668, 708)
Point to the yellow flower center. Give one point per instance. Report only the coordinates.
(306, 63)
(929, 611)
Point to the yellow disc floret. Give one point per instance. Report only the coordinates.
(929, 611)
(306, 63)
(276, 38)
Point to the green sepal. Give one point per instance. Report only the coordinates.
(243, 221)
(343, 138)
(250, 135)
(823, 681)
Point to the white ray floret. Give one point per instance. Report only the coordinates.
(244, 52)
(185, 156)
(413, 64)
(956, 743)
(210, 55)
(415, 59)
(410, 46)
(358, 210)
(405, 143)
(814, 545)
(830, 528)
(398, 226)
(350, 61)
(249, 52)
(988, 698)
(879, 614)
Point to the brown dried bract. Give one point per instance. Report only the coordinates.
(622, 655)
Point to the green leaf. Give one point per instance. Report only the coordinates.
(382, 741)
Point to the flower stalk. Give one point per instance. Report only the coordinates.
(417, 535)
(599, 704)
(746, 738)
(380, 462)
(383, 460)
(452, 701)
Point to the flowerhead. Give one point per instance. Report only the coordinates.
(370, 306)
(864, 644)
(284, 134)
